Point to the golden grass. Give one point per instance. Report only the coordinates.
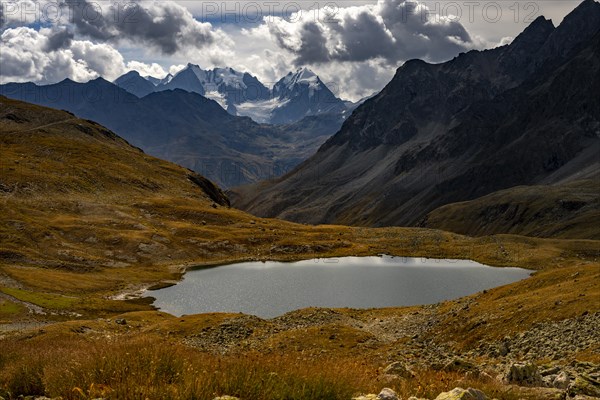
(147, 367)
(552, 294)
(125, 367)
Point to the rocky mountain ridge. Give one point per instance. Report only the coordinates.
(522, 114)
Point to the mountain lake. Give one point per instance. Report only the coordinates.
(269, 289)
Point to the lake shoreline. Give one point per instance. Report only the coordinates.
(339, 282)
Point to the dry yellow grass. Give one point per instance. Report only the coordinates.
(87, 360)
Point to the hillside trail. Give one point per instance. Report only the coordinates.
(44, 126)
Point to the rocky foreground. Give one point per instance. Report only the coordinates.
(539, 362)
(545, 361)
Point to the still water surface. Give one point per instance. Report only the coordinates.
(273, 288)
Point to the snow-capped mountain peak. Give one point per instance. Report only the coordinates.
(225, 85)
(301, 76)
(217, 79)
(303, 80)
(302, 93)
(228, 77)
(298, 94)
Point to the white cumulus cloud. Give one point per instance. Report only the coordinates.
(29, 55)
(392, 30)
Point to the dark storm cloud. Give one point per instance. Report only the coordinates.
(313, 48)
(362, 38)
(59, 38)
(393, 30)
(164, 25)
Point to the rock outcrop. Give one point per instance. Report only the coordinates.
(524, 374)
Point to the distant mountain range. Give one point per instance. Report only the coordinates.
(299, 94)
(471, 134)
(196, 118)
(187, 128)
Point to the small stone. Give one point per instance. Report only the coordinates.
(366, 397)
(484, 375)
(226, 398)
(550, 371)
(462, 394)
(387, 394)
(503, 349)
(561, 381)
(120, 321)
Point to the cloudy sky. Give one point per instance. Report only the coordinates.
(355, 46)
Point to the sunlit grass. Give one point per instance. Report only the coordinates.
(10, 310)
(146, 367)
(46, 300)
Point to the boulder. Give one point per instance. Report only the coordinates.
(561, 381)
(584, 385)
(524, 374)
(462, 394)
(399, 369)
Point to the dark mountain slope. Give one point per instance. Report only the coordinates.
(439, 134)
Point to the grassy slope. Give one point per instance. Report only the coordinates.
(85, 216)
(570, 210)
